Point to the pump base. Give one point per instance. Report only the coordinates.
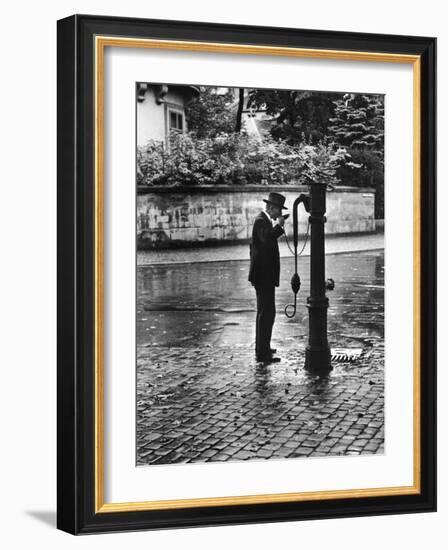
(318, 361)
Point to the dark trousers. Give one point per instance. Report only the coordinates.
(265, 320)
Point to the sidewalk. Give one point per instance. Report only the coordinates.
(334, 244)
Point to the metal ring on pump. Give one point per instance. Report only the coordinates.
(293, 306)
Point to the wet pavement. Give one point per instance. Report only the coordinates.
(334, 244)
(202, 397)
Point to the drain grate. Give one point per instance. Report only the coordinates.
(345, 355)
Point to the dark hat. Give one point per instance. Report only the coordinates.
(276, 199)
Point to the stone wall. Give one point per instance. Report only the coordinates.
(168, 217)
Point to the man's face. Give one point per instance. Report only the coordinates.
(274, 211)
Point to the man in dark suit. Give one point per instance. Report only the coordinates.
(264, 273)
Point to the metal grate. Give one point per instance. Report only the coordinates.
(345, 355)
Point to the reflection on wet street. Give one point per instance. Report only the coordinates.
(213, 303)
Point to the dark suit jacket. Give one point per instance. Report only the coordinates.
(264, 254)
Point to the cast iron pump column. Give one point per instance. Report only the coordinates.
(317, 355)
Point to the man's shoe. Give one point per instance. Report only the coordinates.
(269, 359)
(273, 350)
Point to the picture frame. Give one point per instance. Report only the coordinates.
(82, 196)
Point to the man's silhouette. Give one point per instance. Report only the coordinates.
(264, 273)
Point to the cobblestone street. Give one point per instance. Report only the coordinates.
(202, 397)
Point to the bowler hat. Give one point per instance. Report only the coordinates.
(276, 199)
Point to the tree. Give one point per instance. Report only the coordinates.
(239, 113)
(358, 125)
(297, 116)
(358, 122)
(209, 114)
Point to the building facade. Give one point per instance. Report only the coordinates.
(161, 110)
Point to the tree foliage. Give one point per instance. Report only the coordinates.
(358, 122)
(358, 125)
(297, 116)
(210, 114)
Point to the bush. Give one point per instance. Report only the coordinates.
(236, 159)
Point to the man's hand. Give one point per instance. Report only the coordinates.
(281, 221)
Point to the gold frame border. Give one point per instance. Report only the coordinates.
(101, 42)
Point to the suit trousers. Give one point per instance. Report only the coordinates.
(265, 320)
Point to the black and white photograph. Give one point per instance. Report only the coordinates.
(260, 274)
(224, 280)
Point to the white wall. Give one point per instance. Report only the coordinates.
(150, 119)
(27, 290)
(151, 123)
